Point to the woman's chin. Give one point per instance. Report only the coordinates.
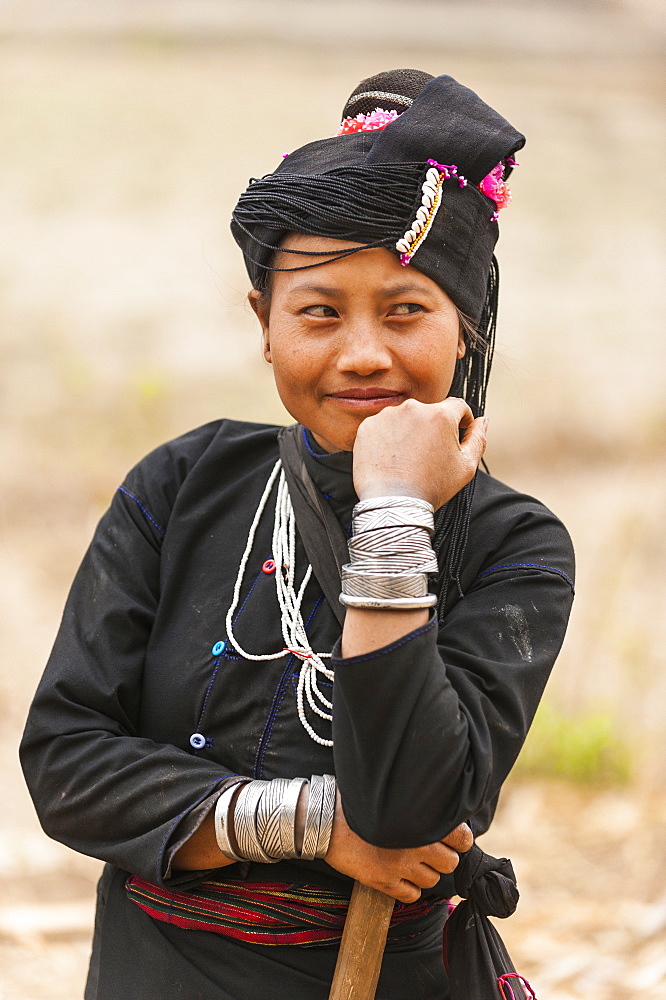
(332, 440)
(337, 444)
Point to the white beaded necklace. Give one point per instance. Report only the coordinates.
(293, 627)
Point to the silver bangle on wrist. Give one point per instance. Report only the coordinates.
(393, 500)
(313, 818)
(269, 817)
(389, 603)
(390, 555)
(221, 821)
(245, 819)
(262, 827)
(327, 816)
(288, 817)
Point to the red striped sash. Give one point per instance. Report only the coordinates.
(269, 913)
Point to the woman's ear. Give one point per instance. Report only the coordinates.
(462, 346)
(261, 304)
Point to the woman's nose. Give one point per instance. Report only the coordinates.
(364, 350)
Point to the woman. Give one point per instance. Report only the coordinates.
(206, 684)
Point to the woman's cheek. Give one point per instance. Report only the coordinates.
(295, 388)
(298, 363)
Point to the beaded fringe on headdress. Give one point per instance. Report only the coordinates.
(471, 383)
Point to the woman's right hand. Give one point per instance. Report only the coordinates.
(414, 449)
(401, 873)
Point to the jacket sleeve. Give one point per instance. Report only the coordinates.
(427, 728)
(97, 785)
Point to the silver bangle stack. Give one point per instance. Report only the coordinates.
(263, 825)
(390, 555)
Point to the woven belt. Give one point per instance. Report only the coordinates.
(269, 913)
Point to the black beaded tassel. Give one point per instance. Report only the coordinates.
(471, 383)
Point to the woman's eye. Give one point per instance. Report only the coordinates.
(320, 311)
(405, 309)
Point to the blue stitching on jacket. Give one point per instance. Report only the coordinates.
(217, 662)
(146, 512)
(546, 569)
(277, 700)
(320, 683)
(270, 721)
(316, 454)
(256, 580)
(387, 649)
(205, 701)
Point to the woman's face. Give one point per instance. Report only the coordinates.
(359, 334)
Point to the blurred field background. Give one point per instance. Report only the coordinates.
(127, 130)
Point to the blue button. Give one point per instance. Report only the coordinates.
(197, 741)
(218, 648)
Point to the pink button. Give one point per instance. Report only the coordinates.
(269, 566)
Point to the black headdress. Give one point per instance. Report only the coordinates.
(424, 186)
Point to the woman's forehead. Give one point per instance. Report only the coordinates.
(371, 268)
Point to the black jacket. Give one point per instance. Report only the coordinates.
(425, 729)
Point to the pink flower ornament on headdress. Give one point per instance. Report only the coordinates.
(373, 122)
(495, 187)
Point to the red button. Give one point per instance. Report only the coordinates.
(269, 566)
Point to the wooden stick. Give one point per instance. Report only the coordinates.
(362, 946)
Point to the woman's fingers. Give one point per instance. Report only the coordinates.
(444, 855)
(400, 873)
(458, 408)
(442, 858)
(423, 876)
(460, 839)
(404, 891)
(473, 443)
(426, 877)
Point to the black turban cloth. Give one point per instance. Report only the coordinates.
(365, 187)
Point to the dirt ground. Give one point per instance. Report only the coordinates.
(123, 322)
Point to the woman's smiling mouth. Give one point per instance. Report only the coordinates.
(366, 400)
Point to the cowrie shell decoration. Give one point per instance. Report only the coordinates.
(431, 196)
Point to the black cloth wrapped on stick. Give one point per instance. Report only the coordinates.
(474, 953)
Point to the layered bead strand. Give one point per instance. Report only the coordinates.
(294, 634)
